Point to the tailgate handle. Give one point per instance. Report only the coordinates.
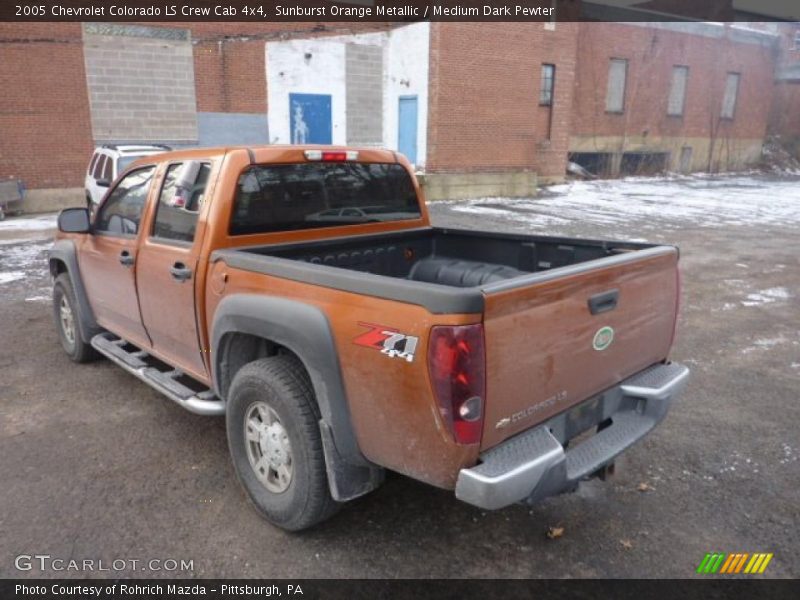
(603, 302)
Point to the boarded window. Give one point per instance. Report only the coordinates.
(677, 91)
(615, 95)
(729, 99)
(548, 83)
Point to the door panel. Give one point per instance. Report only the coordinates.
(111, 285)
(407, 128)
(166, 274)
(310, 118)
(108, 259)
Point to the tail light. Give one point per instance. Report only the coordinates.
(331, 155)
(457, 364)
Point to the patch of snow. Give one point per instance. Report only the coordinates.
(38, 299)
(767, 296)
(709, 201)
(765, 344)
(10, 276)
(37, 223)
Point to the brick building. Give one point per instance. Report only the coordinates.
(481, 108)
(677, 96)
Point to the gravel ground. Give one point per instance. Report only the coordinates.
(95, 465)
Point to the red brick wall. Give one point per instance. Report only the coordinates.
(651, 54)
(230, 76)
(484, 112)
(45, 126)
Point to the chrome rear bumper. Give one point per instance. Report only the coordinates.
(536, 464)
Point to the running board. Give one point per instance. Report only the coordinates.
(166, 382)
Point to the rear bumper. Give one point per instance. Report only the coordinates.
(535, 464)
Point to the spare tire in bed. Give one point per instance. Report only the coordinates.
(460, 273)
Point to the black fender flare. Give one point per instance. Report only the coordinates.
(304, 330)
(64, 251)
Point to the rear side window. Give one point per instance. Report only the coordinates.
(180, 201)
(310, 195)
(99, 166)
(95, 156)
(108, 172)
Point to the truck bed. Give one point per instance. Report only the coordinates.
(445, 257)
(542, 301)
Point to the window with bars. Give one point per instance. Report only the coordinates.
(547, 85)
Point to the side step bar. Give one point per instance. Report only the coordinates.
(166, 382)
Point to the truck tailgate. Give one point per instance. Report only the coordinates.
(546, 351)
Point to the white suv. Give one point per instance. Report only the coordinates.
(108, 162)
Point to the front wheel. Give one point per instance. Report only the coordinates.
(65, 314)
(275, 444)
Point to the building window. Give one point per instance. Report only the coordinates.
(729, 99)
(677, 91)
(615, 95)
(548, 84)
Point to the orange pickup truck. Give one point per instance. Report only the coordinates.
(303, 293)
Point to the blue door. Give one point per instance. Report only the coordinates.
(407, 128)
(310, 118)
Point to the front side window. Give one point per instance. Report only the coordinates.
(729, 99)
(180, 201)
(547, 85)
(617, 76)
(302, 196)
(122, 211)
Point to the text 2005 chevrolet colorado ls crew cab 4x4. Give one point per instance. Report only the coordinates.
(303, 293)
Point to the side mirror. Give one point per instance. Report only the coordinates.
(74, 220)
(103, 183)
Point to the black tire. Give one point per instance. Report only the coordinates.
(73, 344)
(282, 384)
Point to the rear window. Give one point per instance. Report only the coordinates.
(310, 195)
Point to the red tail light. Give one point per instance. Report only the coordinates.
(457, 364)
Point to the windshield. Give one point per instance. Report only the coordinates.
(309, 195)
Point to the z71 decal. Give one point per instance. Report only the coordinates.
(389, 341)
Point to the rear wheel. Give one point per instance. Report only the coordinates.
(65, 314)
(275, 443)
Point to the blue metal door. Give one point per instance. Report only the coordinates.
(310, 118)
(407, 127)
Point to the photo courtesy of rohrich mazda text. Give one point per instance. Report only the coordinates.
(452, 296)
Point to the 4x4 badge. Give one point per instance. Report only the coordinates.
(389, 341)
(603, 338)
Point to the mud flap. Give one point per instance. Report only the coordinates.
(346, 481)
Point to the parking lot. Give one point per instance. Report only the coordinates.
(95, 465)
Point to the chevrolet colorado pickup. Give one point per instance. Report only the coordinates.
(303, 293)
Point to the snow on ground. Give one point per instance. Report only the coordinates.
(663, 203)
(23, 266)
(37, 223)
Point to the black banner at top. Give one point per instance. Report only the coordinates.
(397, 10)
